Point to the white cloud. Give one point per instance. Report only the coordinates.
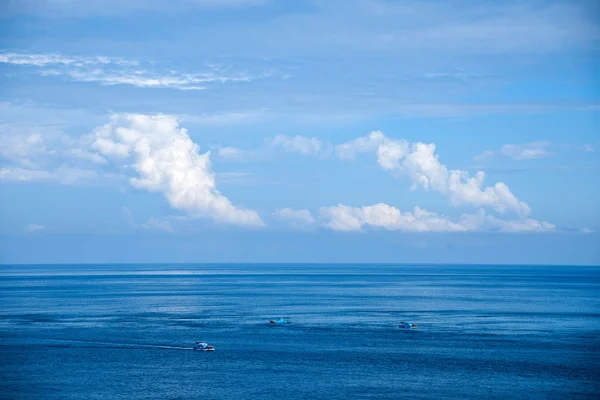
(110, 71)
(155, 224)
(367, 144)
(526, 151)
(296, 144)
(225, 118)
(43, 60)
(345, 218)
(65, 175)
(167, 161)
(524, 225)
(35, 151)
(300, 144)
(420, 163)
(21, 149)
(352, 219)
(235, 154)
(588, 148)
(486, 155)
(34, 228)
(86, 155)
(463, 189)
(36, 145)
(296, 218)
(481, 221)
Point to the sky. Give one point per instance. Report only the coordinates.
(366, 131)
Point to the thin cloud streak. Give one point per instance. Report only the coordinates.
(526, 151)
(110, 71)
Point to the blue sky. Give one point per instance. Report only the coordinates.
(263, 130)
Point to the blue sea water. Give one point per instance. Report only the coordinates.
(125, 331)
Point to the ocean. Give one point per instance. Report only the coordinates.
(125, 331)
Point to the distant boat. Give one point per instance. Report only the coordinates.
(280, 321)
(407, 325)
(202, 346)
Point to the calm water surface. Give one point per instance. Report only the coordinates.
(124, 331)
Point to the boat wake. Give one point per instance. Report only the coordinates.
(90, 344)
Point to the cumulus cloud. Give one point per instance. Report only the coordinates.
(34, 228)
(345, 218)
(367, 144)
(111, 71)
(420, 163)
(168, 161)
(353, 219)
(296, 218)
(526, 151)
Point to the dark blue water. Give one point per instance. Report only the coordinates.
(123, 332)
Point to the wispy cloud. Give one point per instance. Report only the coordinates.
(158, 225)
(63, 174)
(35, 146)
(110, 71)
(44, 60)
(300, 144)
(453, 74)
(457, 110)
(225, 118)
(34, 228)
(299, 219)
(235, 154)
(33, 150)
(234, 177)
(152, 224)
(526, 151)
(308, 146)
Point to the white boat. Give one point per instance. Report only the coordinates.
(203, 346)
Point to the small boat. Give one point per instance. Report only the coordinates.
(407, 325)
(203, 346)
(280, 321)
